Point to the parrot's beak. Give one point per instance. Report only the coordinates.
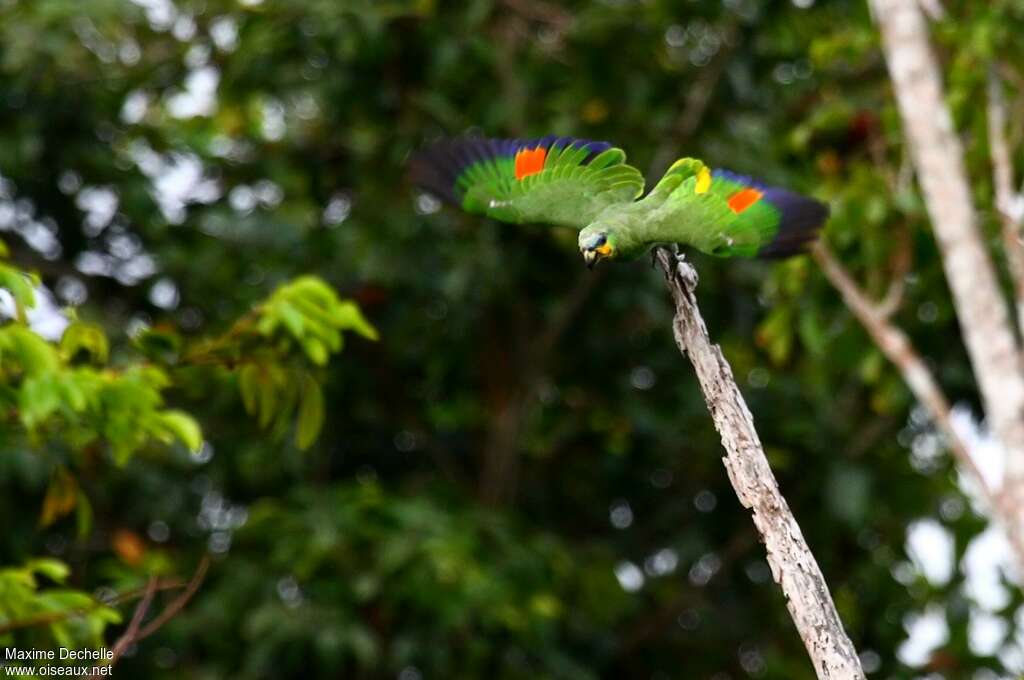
(591, 257)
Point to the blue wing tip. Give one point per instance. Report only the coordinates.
(801, 221)
(801, 218)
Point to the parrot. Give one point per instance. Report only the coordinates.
(587, 185)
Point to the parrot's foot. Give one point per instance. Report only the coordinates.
(674, 247)
(686, 272)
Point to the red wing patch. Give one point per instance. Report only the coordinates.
(530, 161)
(743, 199)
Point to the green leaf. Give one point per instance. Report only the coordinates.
(158, 344)
(350, 317)
(269, 396)
(107, 615)
(811, 333)
(249, 385)
(292, 319)
(311, 413)
(83, 516)
(81, 336)
(62, 635)
(317, 313)
(184, 427)
(61, 496)
(40, 396)
(34, 354)
(776, 334)
(20, 285)
(315, 350)
(55, 570)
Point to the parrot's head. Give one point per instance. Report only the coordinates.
(597, 242)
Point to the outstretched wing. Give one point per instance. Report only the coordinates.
(728, 214)
(554, 180)
(787, 222)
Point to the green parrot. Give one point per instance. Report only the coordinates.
(588, 185)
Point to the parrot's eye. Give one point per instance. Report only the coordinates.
(595, 241)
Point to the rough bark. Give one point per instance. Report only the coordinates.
(792, 564)
(938, 161)
(1006, 197)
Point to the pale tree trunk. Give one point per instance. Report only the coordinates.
(792, 564)
(938, 160)
(1006, 198)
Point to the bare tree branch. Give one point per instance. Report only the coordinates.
(1005, 196)
(792, 563)
(939, 161)
(179, 602)
(900, 351)
(131, 632)
(57, 617)
(135, 632)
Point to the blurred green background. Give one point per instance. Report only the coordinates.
(519, 479)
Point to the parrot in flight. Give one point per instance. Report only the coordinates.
(587, 185)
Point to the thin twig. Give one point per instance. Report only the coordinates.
(897, 347)
(136, 632)
(57, 617)
(901, 262)
(131, 632)
(179, 602)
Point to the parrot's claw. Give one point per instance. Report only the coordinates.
(674, 247)
(687, 273)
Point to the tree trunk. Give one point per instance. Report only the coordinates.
(792, 564)
(938, 160)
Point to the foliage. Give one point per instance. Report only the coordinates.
(454, 578)
(65, 397)
(64, 391)
(59, 616)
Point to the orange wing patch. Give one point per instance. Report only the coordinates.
(530, 161)
(743, 199)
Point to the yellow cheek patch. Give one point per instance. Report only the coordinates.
(605, 249)
(703, 181)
